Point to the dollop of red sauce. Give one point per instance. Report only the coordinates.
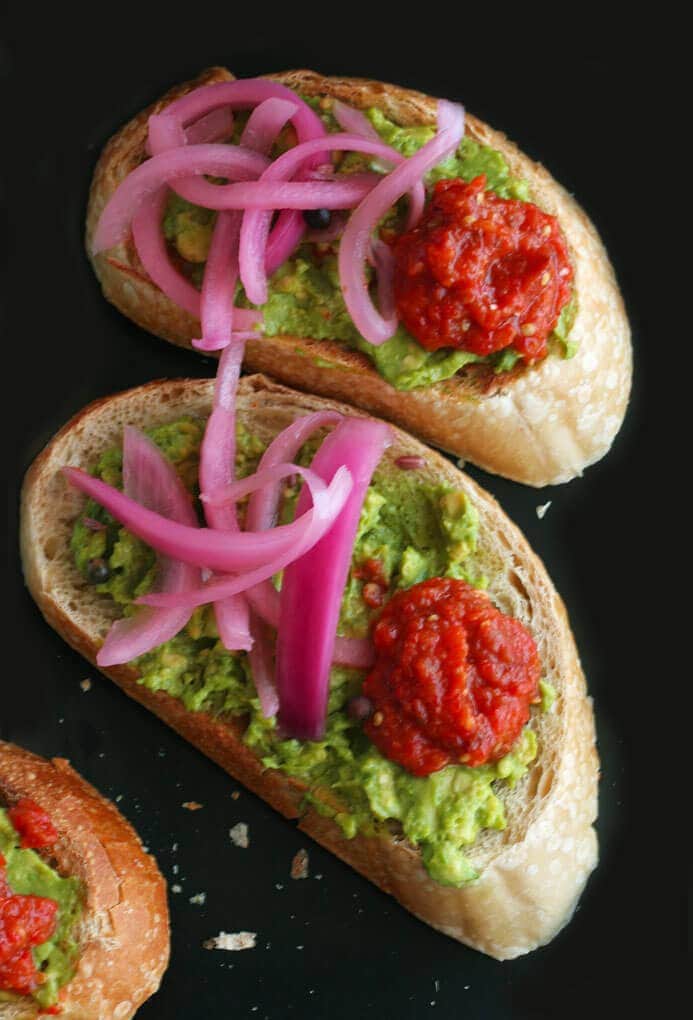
(35, 828)
(25, 921)
(453, 679)
(482, 273)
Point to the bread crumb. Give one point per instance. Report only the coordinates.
(235, 795)
(192, 805)
(541, 510)
(239, 835)
(85, 684)
(278, 886)
(176, 888)
(299, 864)
(198, 899)
(233, 941)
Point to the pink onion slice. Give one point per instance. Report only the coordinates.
(354, 121)
(217, 469)
(261, 514)
(214, 550)
(313, 585)
(152, 481)
(153, 253)
(256, 221)
(356, 653)
(327, 506)
(244, 94)
(219, 284)
(175, 164)
(373, 325)
(151, 248)
(216, 126)
(265, 123)
(262, 669)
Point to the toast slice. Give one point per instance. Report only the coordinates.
(539, 425)
(532, 872)
(124, 931)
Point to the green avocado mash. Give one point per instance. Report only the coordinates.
(305, 298)
(29, 874)
(417, 531)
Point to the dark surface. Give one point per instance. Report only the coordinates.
(332, 945)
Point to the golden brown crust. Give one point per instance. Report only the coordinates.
(124, 931)
(540, 426)
(532, 873)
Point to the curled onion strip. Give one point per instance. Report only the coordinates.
(152, 481)
(375, 326)
(313, 584)
(218, 551)
(256, 222)
(217, 468)
(327, 506)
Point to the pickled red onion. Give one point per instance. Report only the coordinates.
(174, 164)
(213, 127)
(221, 270)
(354, 121)
(151, 249)
(262, 669)
(374, 325)
(327, 506)
(261, 514)
(217, 468)
(257, 219)
(152, 481)
(313, 585)
(219, 551)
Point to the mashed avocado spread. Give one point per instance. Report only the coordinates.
(29, 874)
(305, 298)
(416, 531)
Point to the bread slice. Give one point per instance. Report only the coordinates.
(539, 425)
(533, 871)
(124, 931)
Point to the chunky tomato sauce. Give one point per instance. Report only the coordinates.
(453, 679)
(33, 824)
(482, 273)
(25, 921)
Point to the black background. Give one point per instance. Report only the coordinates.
(333, 946)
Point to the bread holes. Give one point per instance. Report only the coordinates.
(51, 547)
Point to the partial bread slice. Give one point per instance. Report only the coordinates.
(124, 932)
(533, 872)
(540, 425)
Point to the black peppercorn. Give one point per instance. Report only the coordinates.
(317, 219)
(97, 571)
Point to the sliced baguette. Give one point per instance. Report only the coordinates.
(124, 931)
(540, 425)
(531, 873)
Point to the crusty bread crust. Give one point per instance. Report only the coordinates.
(541, 426)
(124, 931)
(533, 872)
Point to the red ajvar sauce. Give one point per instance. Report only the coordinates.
(25, 921)
(453, 679)
(35, 828)
(482, 273)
